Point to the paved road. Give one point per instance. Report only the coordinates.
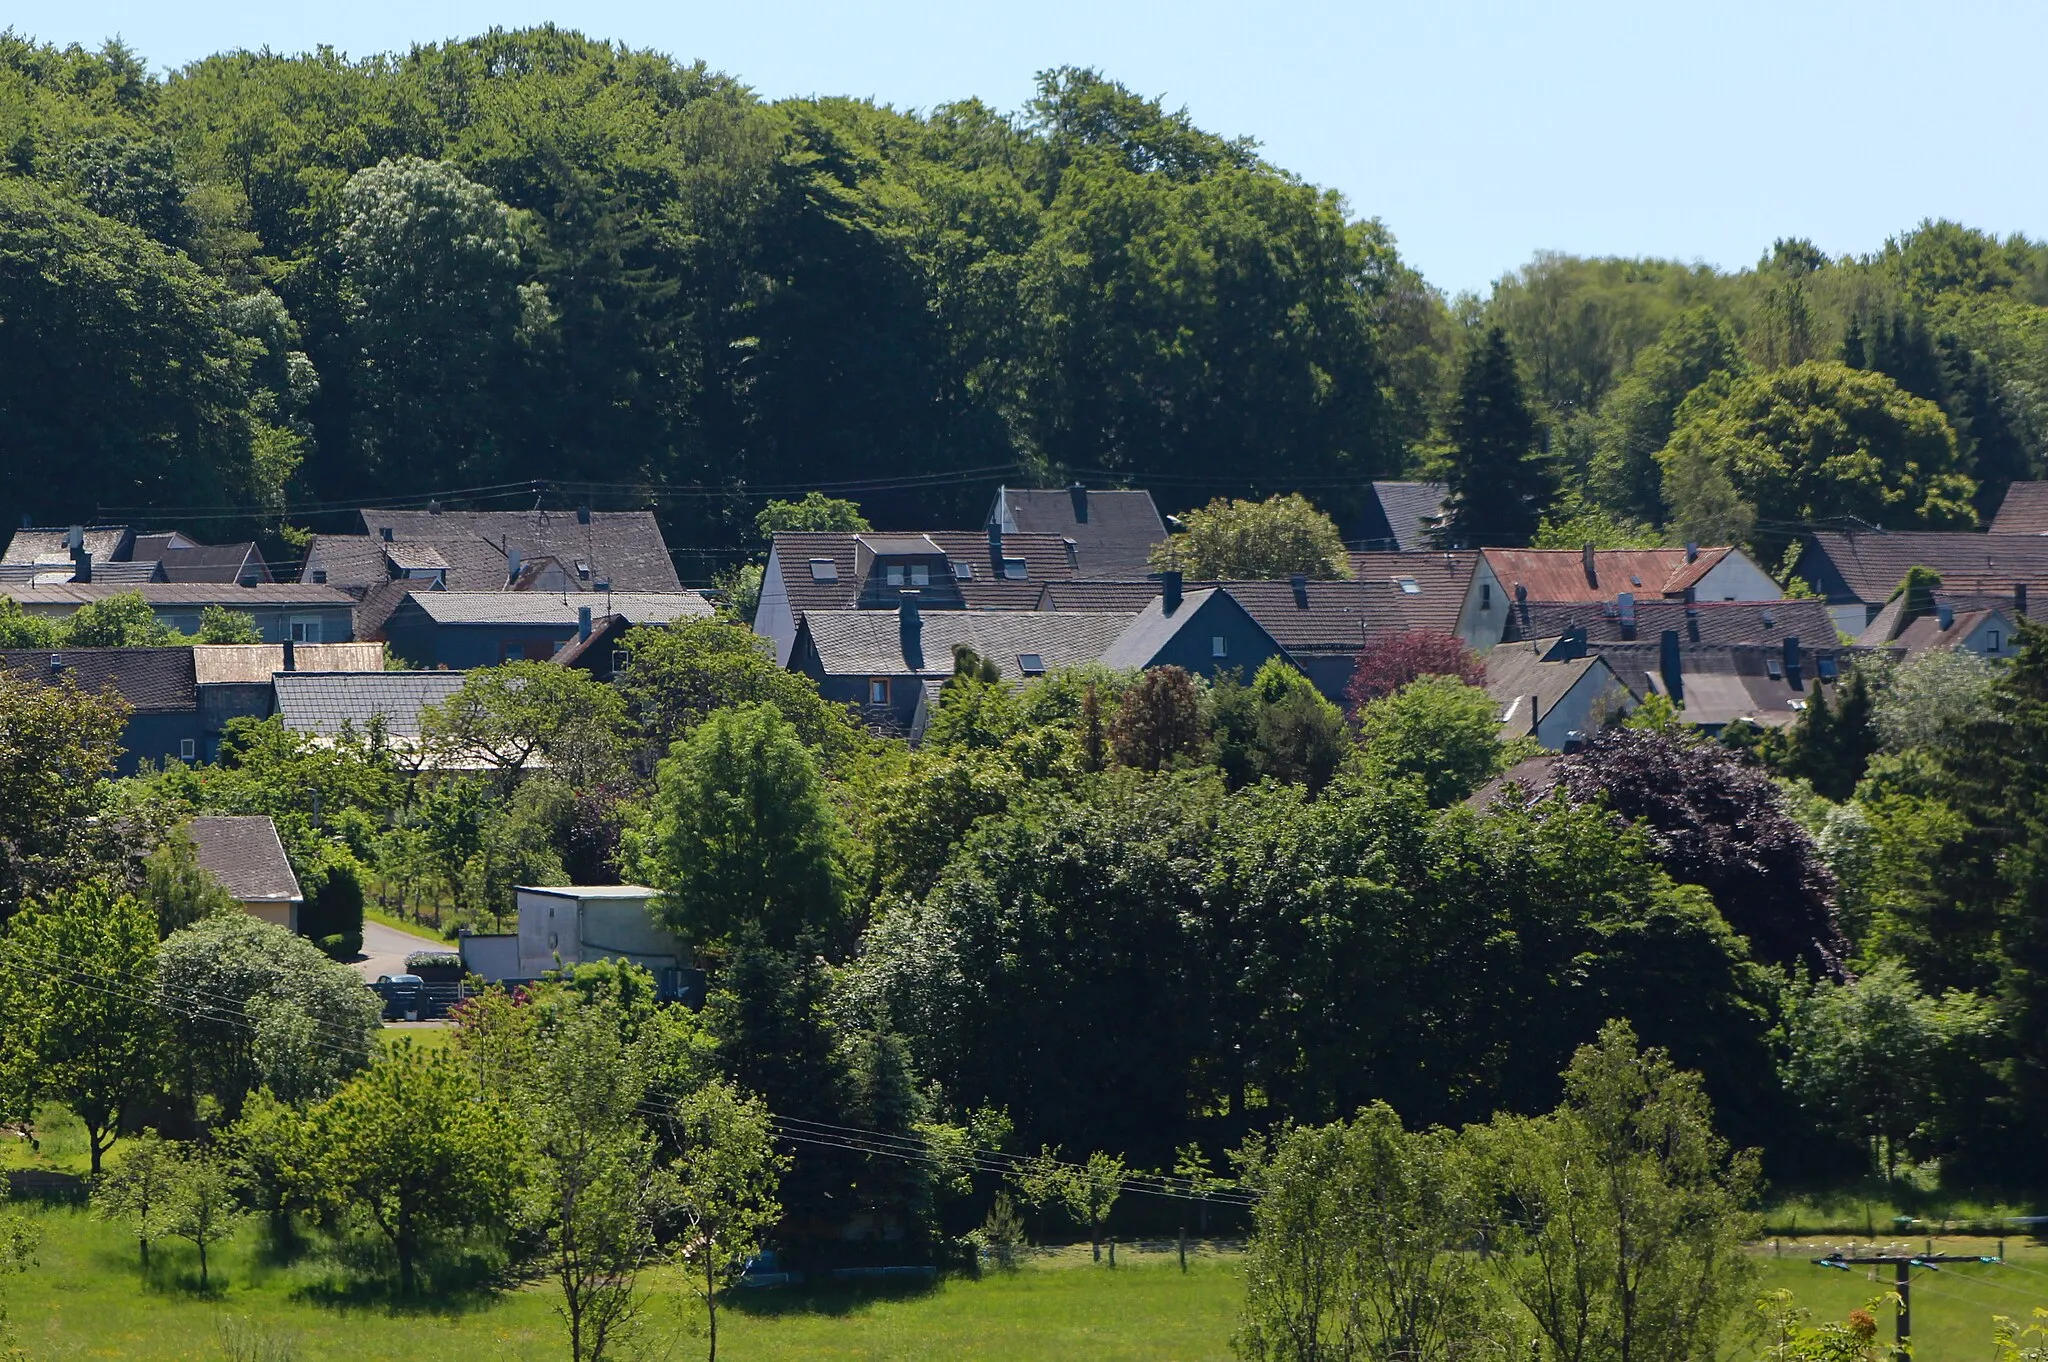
(385, 949)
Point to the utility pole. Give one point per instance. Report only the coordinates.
(1902, 1279)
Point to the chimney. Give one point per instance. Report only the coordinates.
(1692, 595)
(384, 533)
(1522, 599)
(995, 545)
(433, 508)
(1792, 675)
(81, 564)
(911, 626)
(2019, 599)
(583, 622)
(1625, 609)
(1670, 666)
(583, 514)
(1692, 550)
(1300, 583)
(1169, 591)
(1535, 714)
(511, 565)
(1587, 561)
(1944, 613)
(1080, 496)
(291, 657)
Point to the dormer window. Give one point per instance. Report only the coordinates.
(920, 574)
(895, 574)
(1030, 664)
(1014, 569)
(824, 570)
(583, 567)
(963, 572)
(1826, 667)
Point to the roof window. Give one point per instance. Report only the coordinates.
(824, 570)
(1774, 669)
(963, 572)
(1826, 667)
(1634, 580)
(1030, 664)
(582, 567)
(1409, 586)
(1014, 569)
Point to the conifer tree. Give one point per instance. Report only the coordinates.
(1500, 480)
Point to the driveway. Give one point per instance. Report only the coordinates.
(385, 949)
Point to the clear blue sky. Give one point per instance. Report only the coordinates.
(1480, 132)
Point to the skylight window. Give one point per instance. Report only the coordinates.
(1634, 580)
(1774, 669)
(1826, 667)
(824, 570)
(963, 572)
(1014, 569)
(1409, 586)
(1030, 664)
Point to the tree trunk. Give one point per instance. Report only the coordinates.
(711, 1297)
(143, 1239)
(202, 1262)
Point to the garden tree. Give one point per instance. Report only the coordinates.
(79, 1008)
(1814, 442)
(741, 835)
(1789, 1337)
(916, 819)
(1830, 748)
(219, 624)
(1159, 720)
(685, 670)
(123, 349)
(140, 1190)
(1881, 1063)
(1719, 823)
(1620, 1217)
(1499, 476)
(1926, 701)
(592, 1186)
(307, 785)
(1573, 522)
(1301, 738)
(975, 710)
(1087, 1192)
(19, 629)
(515, 842)
(123, 621)
(254, 1006)
(508, 717)
(1391, 659)
(431, 282)
(1251, 540)
(332, 916)
(205, 1204)
(726, 1180)
(413, 1144)
(1355, 1247)
(1634, 420)
(815, 512)
(1440, 732)
(1918, 589)
(178, 889)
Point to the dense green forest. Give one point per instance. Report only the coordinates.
(265, 287)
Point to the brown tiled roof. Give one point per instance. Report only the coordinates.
(246, 856)
(1115, 538)
(1557, 575)
(1441, 581)
(1926, 631)
(1046, 557)
(2024, 510)
(151, 680)
(1708, 622)
(1873, 565)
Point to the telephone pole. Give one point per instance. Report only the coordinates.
(1902, 1279)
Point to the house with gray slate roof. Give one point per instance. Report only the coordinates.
(1857, 572)
(1113, 532)
(246, 856)
(324, 704)
(462, 629)
(1402, 517)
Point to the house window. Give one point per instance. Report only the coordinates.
(583, 567)
(1773, 670)
(305, 628)
(878, 690)
(824, 570)
(1030, 664)
(895, 574)
(963, 572)
(1219, 646)
(1013, 568)
(1486, 595)
(621, 659)
(188, 749)
(1826, 667)
(1409, 586)
(920, 574)
(1994, 641)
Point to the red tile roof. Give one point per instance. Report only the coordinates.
(1559, 575)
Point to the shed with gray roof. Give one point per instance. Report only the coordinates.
(246, 856)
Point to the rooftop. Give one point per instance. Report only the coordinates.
(1707, 622)
(151, 680)
(1873, 564)
(1561, 575)
(870, 642)
(1399, 515)
(246, 856)
(556, 608)
(623, 548)
(2024, 510)
(1113, 531)
(320, 703)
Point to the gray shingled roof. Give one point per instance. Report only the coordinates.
(192, 594)
(549, 607)
(45, 543)
(1113, 531)
(1515, 671)
(1707, 622)
(625, 548)
(2024, 510)
(1873, 565)
(1046, 558)
(151, 680)
(870, 642)
(211, 563)
(246, 856)
(1396, 511)
(321, 702)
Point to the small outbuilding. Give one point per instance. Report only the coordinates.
(245, 854)
(576, 924)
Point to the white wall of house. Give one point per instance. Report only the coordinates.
(1584, 708)
(600, 923)
(772, 617)
(1852, 619)
(1737, 577)
(1484, 617)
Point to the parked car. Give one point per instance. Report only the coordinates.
(404, 995)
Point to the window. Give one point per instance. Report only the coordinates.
(963, 572)
(1013, 568)
(1219, 646)
(305, 628)
(1486, 595)
(582, 567)
(1409, 586)
(1774, 669)
(878, 690)
(824, 570)
(1993, 641)
(1826, 667)
(1634, 580)
(1030, 664)
(895, 571)
(621, 659)
(188, 749)
(920, 574)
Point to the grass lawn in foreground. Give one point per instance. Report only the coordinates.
(87, 1298)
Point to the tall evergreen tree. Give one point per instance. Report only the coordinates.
(1500, 480)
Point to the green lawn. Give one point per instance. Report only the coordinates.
(1952, 1308)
